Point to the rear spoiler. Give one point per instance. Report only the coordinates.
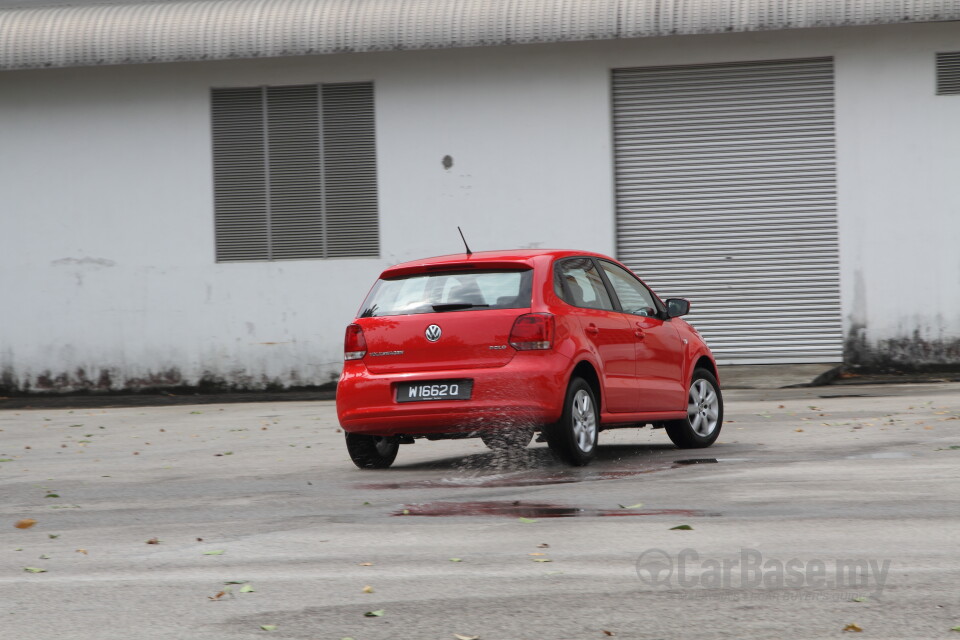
(433, 267)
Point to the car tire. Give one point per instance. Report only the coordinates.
(704, 418)
(574, 438)
(371, 452)
(507, 439)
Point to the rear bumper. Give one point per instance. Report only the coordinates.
(528, 391)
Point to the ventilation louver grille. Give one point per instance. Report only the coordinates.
(295, 172)
(350, 177)
(948, 74)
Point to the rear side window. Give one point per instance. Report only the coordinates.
(449, 291)
(578, 282)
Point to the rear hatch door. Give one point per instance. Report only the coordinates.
(444, 320)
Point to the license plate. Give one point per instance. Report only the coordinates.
(434, 390)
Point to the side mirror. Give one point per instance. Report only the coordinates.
(677, 307)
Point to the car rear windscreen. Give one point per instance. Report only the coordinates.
(449, 291)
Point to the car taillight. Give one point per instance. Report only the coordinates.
(532, 331)
(354, 344)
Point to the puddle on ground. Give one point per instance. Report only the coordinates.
(888, 455)
(532, 478)
(518, 509)
(525, 479)
(854, 395)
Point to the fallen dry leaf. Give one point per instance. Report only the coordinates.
(611, 633)
(536, 554)
(543, 545)
(83, 551)
(853, 627)
(153, 541)
(218, 596)
(366, 564)
(368, 589)
(799, 430)
(26, 523)
(460, 636)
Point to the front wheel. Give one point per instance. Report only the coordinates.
(371, 452)
(704, 414)
(574, 438)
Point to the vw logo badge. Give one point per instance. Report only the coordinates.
(433, 333)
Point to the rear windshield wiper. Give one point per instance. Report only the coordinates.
(456, 306)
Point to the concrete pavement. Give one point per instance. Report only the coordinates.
(449, 540)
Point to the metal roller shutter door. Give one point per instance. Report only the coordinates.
(726, 195)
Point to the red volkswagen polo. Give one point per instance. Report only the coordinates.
(502, 344)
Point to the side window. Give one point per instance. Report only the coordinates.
(634, 298)
(578, 282)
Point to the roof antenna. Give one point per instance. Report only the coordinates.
(469, 253)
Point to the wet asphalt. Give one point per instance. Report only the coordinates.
(213, 521)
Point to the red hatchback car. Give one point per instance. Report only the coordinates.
(502, 344)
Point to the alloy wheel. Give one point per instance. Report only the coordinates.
(703, 407)
(584, 421)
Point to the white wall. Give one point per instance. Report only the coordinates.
(106, 215)
(106, 250)
(899, 174)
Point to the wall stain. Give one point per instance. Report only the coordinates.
(84, 262)
(906, 354)
(170, 381)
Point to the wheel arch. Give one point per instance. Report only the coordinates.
(585, 370)
(704, 362)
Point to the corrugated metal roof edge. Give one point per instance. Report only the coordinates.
(197, 30)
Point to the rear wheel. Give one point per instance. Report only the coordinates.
(507, 439)
(704, 413)
(574, 438)
(371, 452)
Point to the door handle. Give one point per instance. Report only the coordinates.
(592, 329)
